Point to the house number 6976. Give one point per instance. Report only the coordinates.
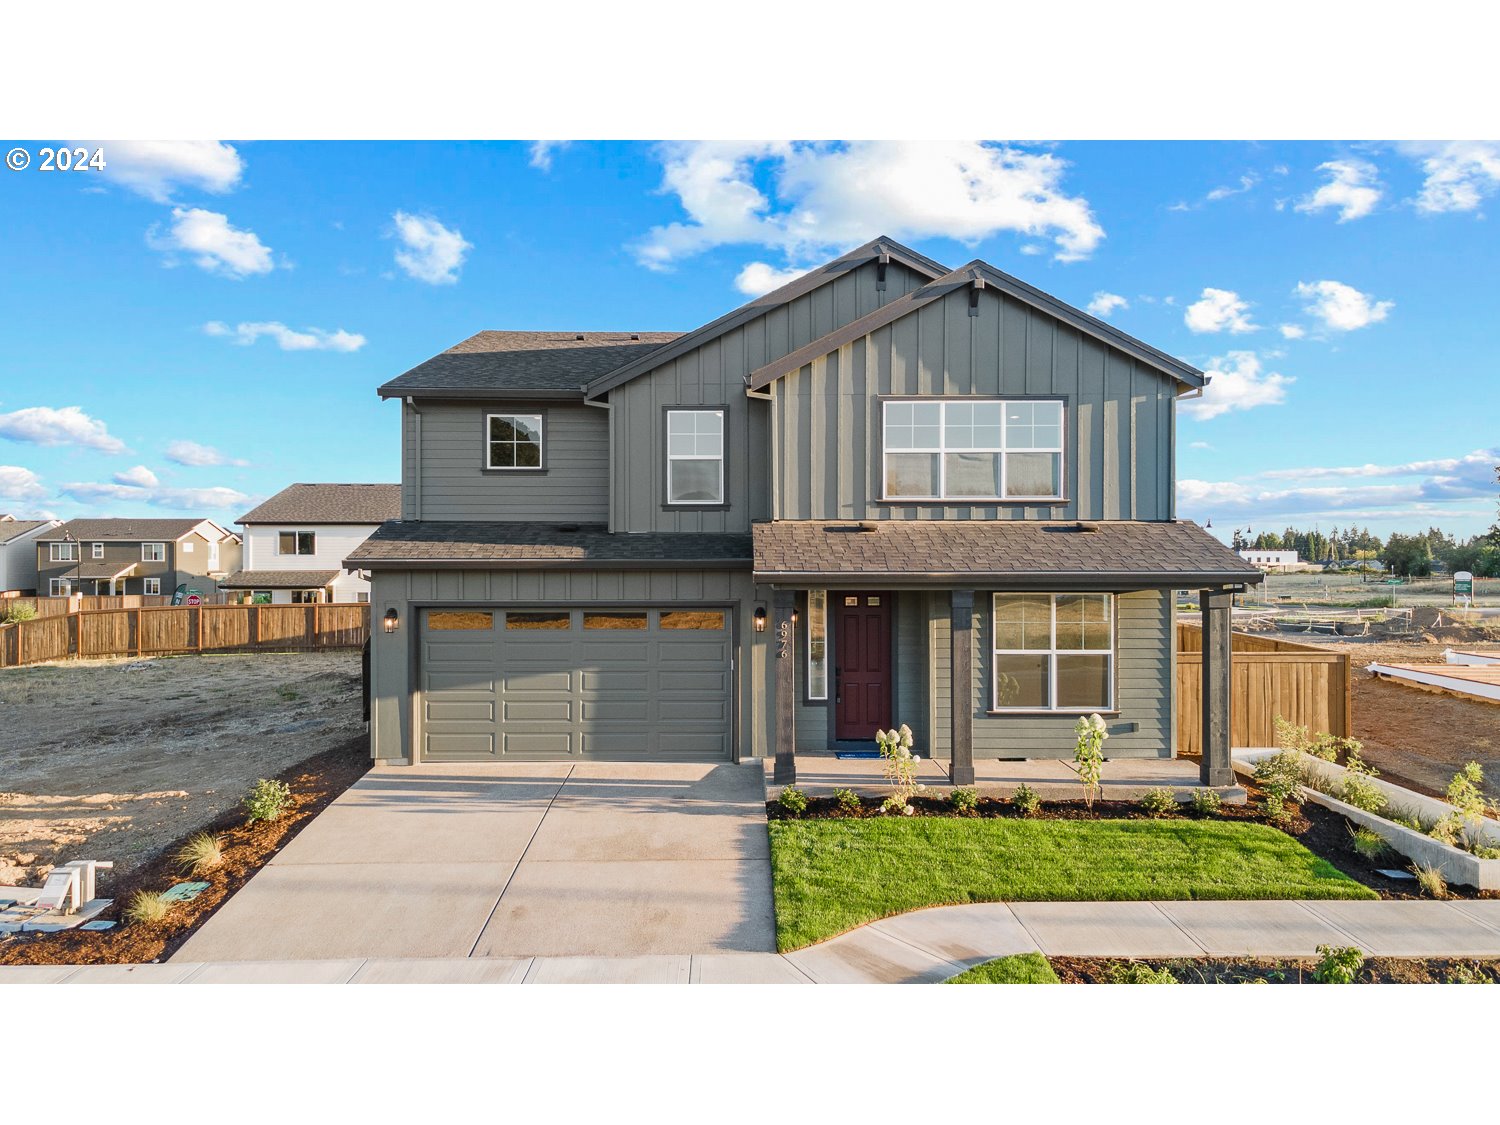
(784, 639)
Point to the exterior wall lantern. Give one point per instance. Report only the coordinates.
(760, 619)
(392, 620)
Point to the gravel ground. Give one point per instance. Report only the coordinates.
(114, 759)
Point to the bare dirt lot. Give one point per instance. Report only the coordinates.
(115, 759)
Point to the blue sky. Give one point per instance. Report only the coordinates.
(200, 324)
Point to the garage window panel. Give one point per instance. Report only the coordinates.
(698, 620)
(539, 621)
(458, 620)
(628, 621)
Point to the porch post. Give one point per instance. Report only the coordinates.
(961, 730)
(1217, 686)
(784, 653)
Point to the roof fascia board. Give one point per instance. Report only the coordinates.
(355, 563)
(1030, 580)
(498, 394)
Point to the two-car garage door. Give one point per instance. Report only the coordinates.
(634, 684)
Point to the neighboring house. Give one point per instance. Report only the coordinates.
(133, 556)
(18, 553)
(887, 492)
(1270, 560)
(296, 542)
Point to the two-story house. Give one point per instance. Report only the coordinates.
(886, 492)
(296, 542)
(18, 553)
(149, 557)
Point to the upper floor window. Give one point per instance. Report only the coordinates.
(97, 549)
(695, 457)
(153, 552)
(296, 543)
(515, 441)
(64, 552)
(973, 449)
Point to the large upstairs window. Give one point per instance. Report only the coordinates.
(973, 449)
(695, 457)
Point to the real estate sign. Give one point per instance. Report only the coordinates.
(1463, 584)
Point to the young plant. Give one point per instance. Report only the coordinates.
(1205, 802)
(1088, 755)
(17, 612)
(1026, 800)
(147, 907)
(896, 805)
(1465, 792)
(1280, 779)
(1367, 843)
(268, 799)
(1158, 803)
(1466, 972)
(201, 854)
(900, 763)
(792, 800)
(1137, 972)
(1289, 736)
(1338, 964)
(964, 800)
(1358, 789)
(846, 801)
(1430, 879)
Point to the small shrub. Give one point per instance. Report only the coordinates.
(846, 801)
(899, 761)
(201, 854)
(1205, 802)
(15, 614)
(1137, 972)
(1448, 829)
(1280, 780)
(1338, 964)
(268, 799)
(894, 805)
(1289, 736)
(1358, 790)
(1158, 802)
(1466, 973)
(1478, 848)
(793, 800)
(1430, 879)
(1465, 792)
(1406, 817)
(1088, 754)
(147, 907)
(964, 799)
(1026, 800)
(1368, 843)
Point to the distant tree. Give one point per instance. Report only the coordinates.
(1239, 542)
(1410, 556)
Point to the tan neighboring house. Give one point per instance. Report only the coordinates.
(18, 554)
(134, 556)
(296, 543)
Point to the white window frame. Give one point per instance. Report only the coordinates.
(96, 550)
(1052, 653)
(294, 553)
(719, 460)
(541, 444)
(812, 623)
(59, 587)
(147, 556)
(1003, 451)
(63, 552)
(151, 587)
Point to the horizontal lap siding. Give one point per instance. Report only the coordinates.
(828, 427)
(1144, 668)
(454, 485)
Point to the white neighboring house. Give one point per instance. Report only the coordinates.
(18, 553)
(296, 542)
(1270, 560)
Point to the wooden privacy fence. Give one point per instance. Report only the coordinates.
(54, 607)
(1304, 684)
(159, 630)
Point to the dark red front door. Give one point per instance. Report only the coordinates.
(862, 665)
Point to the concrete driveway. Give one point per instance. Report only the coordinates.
(514, 860)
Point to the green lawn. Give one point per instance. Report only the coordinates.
(833, 875)
(1019, 968)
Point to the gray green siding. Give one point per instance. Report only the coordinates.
(826, 457)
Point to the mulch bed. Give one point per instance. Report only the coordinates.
(1376, 970)
(247, 848)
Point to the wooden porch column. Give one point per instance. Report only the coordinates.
(1215, 768)
(784, 655)
(961, 730)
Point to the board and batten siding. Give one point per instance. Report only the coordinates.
(713, 375)
(454, 485)
(826, 456)
(394, 697)
(1144, 658)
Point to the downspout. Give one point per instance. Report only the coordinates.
(416, 488)
(610, 451)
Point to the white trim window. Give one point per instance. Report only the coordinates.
(153, 552)
(972, 449)
(695, 457)
(64, 552)
(151, 586)
(59, 587)
(1053, 652)
(296, 543)
(96, 550)
(514, 441)
(817, 644)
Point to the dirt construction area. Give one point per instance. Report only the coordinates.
(116, 759)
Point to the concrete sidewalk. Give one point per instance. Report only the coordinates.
(925, 946)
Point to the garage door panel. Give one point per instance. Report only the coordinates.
(685, 744)
(446, 709)
(542, 744)
(614, 682)
(457, 652)
(457, 746)
(675, 685)
(538, 710)
(696, 710)
(616, 711)
(477, 681)
(536, 680)
(688, 653)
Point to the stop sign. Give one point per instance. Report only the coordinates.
(194, 599)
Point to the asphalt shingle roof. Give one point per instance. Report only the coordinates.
(329, 503)
(124, 530)
(998, 552)
(10, 529)
(416, 543)
(501, 362)
(279, 579)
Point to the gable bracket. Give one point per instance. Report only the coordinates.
(974, 296)
(881, 263)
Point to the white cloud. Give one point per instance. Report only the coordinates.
(805, 199)
(1459, 174)
(1219, 310)
(193, 454)
(1292, 331)
(17, 483)
(1236, 382)
(1470, 475)
(68, 425)
(156, 169)
(1199, 445)
(1246, 183)
(432, 252)
(1341, 308)
(1105, 303)
(140, 477)
(213, 243)
(1353, 188)
(542, 151)
(758, 277)
(289, 340)
(178, 499)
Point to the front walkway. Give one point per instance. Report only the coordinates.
(925, 946)
(513, 860)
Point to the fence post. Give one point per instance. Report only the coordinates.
(1348, 695)
(138, 624)
(255, 614)
(317, 624)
